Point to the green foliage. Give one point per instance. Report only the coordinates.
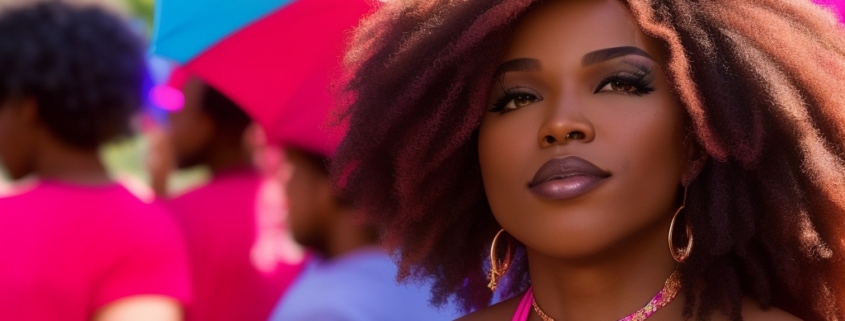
(143, 10)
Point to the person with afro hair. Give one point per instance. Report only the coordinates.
(604, 159)
(75, 245)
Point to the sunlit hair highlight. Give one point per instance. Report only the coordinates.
(762, 84)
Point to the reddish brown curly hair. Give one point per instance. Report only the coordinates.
(762, 84)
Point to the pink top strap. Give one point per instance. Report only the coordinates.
(524, 308)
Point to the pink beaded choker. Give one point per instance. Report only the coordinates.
(661, 299)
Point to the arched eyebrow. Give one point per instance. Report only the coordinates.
(519, 64)
(610, 53)
(591, 58)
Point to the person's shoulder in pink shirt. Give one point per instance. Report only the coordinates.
(77, 247)
(67, 251)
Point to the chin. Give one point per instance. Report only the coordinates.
(575, 239)
(582, 247)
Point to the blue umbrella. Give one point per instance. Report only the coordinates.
(185, 28)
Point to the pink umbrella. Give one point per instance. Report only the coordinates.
(277, 68)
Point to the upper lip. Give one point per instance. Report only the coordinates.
(560, 168)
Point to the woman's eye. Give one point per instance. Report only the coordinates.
(520, 101)
(619, 86)
(633, 84)
(515, 98)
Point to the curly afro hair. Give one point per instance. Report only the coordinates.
(82, 65)
(761, 82)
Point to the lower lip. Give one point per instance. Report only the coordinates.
(566, 188)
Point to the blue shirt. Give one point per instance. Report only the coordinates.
(359, 286)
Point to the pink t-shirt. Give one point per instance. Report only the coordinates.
(220, 221)
(68, 250)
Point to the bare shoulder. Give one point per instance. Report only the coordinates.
(141, 308)
(502, 311)
(751, 311)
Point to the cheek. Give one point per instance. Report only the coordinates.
(307, 200)
(299, 218)
(505, 146)
(508, 157)
(188, 132)
(650, 166)
(649, 149)
(298, 190)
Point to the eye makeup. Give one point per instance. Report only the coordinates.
(513, 98)
(631, 76)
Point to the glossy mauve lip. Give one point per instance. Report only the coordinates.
(564, 178)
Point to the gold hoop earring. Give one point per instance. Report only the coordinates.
(680, 254)
(498, 268)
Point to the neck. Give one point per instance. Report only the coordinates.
(56, 160)
(346, 235)
(610, 285)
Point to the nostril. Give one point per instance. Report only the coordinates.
(550, 139)
(575, 135)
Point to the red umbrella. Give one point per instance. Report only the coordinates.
(277, 68)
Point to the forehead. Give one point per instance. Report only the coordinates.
(564, 30)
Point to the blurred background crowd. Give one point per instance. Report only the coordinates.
(167, 160)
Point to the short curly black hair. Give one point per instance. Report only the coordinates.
(84, 67)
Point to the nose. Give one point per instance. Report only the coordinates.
(565, 123)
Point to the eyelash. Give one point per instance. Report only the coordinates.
(636, 80)
(512, 94)
(626, 78)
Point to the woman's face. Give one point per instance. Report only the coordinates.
(582, 148)
(191, 129)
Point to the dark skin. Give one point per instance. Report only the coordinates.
(317, 218)
(197, 140)
(601, 253)
(193, 138)
(28, 147)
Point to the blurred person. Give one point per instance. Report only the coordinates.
(222, 219)
(76, 245)
(349, 277)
